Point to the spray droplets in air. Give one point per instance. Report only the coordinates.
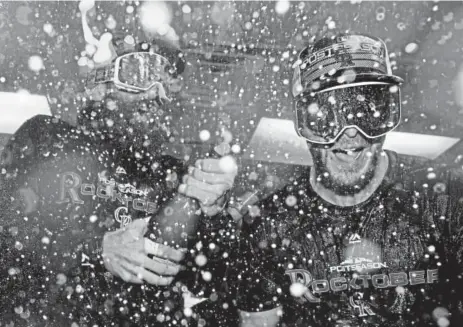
(282, 7)
(36, 63)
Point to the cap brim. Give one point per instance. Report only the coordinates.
(346, 80)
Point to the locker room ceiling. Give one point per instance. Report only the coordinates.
(239, 54)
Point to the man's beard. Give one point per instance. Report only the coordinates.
(126, 132)
(347, 182)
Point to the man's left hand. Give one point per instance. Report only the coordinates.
(209, 181)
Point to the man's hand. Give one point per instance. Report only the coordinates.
(125, 254)
(208, 182)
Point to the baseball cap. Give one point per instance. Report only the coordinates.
(342, 60)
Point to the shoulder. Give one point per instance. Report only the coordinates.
(431, 192)
(42, 127)
(36, 138)
(41, 149)
(404, 168)
(282, 207)
(424, 175)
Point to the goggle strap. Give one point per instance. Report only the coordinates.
(101, 74)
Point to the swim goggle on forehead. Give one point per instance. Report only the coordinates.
(135, 72)
(373, 108)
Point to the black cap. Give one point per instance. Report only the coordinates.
(342, 60)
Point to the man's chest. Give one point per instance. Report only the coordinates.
(373, 260)
(105, 193)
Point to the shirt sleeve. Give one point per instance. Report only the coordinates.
(448, 213)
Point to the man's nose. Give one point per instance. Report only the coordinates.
(351, 132)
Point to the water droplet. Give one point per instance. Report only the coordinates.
(154, 16)
(411, 47)
(331, 25)
(160, 317)
(439, 188)
(282, 6)
(187, 312)
(18, 245)
(291, 200)
(35, 63)
(200, 260)
(48, 28)
(204, 135)
(440, 312)
(297, 289)
(236, 148)
(228, 164)
(207, 276)
(186, 9)
(61, 279)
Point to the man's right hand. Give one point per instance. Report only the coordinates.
(125, 254)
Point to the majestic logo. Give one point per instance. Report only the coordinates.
(120, 171)
(355, 238)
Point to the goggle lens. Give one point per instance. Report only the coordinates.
(374, 109)
(142, 70)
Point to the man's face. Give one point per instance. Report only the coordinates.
(140, 119)
(347, 165)
(136, 115)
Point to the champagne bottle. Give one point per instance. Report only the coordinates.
(175, 223)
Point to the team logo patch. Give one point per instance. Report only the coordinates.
(121, 215)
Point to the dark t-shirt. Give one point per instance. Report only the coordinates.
(393, 260)
(61, 190)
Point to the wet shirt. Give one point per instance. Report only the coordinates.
(61, 191)
(393, 260)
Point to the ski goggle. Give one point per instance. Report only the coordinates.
(372, 107)
(134, 72)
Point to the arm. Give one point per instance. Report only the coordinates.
(36, 199)
(48, 248)
(54, 245)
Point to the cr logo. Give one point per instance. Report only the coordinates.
(122, 217)
(363, 307)
(305, 278)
